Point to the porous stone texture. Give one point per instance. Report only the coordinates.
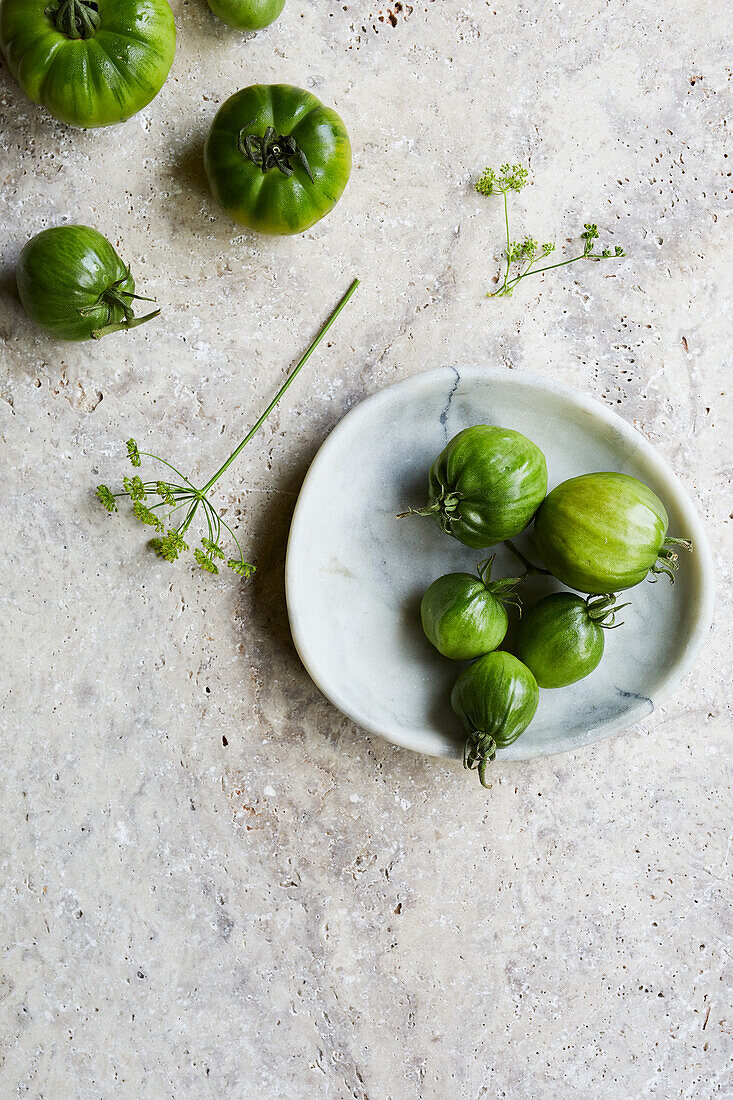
(212, 884)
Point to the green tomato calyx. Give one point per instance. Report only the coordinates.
(667, 559)
(479, 750)
(272, 151)
(75, 18)
(503, 590)
(443, 507)
(116, 299)
(602, 610)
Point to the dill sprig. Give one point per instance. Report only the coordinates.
(156, 503)
(521, 255)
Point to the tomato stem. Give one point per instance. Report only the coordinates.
(445, 506)
(525, 561)
(484, 569)
(602, 610)
(75, 18)
(686, 544)
(479, 750)
(272, 151)
(122, 326)
(114, 298)
(503, 589)
(667, 559)
(428, 510)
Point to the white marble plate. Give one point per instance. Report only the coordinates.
(355, 573)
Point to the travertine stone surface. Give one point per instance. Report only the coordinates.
(211, 883)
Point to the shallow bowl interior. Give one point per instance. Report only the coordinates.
(355, 573)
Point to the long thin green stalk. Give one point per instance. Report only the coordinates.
(288, 382)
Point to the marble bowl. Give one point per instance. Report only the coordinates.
(355, 573)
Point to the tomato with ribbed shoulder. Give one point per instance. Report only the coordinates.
(496, 699)
(464, 615)
(485, 485)
(561, 639)
(604, 532)
(276, 158)
(72, 282)
(89, 62)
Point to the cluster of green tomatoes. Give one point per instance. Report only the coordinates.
(599, 534)
(276, 158)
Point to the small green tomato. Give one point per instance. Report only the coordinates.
(72, 282)
(496, 699)
(464, 616)
(247, 15)
(89, 62)
(561, 639)
(277, 159)
(485, 485)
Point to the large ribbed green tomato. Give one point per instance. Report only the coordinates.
(90, 64)
(496, 698)
(247, 15)
(604, 532)
(486, 485)
(72, 282)
(277, 159)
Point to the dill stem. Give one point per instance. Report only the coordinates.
(506, 222)
(146, 454)
(288, 381)
(189, 518)
(539, 270)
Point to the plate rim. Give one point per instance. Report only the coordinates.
(592, 405)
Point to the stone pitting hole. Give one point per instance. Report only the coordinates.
(391, 15)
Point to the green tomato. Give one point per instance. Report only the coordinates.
(247, 15)
(464, 616)
(277, 159)
(486, 485)
(605, 532)
(496, 699)
(90, 64)
(561, 639)
(72, 282)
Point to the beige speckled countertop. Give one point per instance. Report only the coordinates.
(212, 884)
